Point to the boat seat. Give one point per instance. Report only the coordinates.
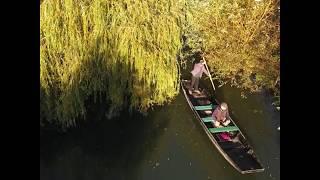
(205, 107)
(207, 119)
(224, 129)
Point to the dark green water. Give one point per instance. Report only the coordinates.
(168, 143)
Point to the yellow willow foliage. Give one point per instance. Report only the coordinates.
(240, 39)
(124, 49)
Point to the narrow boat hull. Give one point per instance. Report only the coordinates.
(237, 152)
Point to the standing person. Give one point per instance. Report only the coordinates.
(198, 70)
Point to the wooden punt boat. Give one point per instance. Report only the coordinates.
(236, 151)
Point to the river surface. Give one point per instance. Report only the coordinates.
(167, 143)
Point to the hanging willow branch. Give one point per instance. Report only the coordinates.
(122, 50)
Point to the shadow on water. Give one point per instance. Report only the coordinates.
(109, 149)
(168, 143)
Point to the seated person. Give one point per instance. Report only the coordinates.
(221, 116)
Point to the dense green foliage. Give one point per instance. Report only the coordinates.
(124, 52)
(240, 40)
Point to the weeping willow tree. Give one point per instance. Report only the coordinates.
(123, 51)
(240, 40)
